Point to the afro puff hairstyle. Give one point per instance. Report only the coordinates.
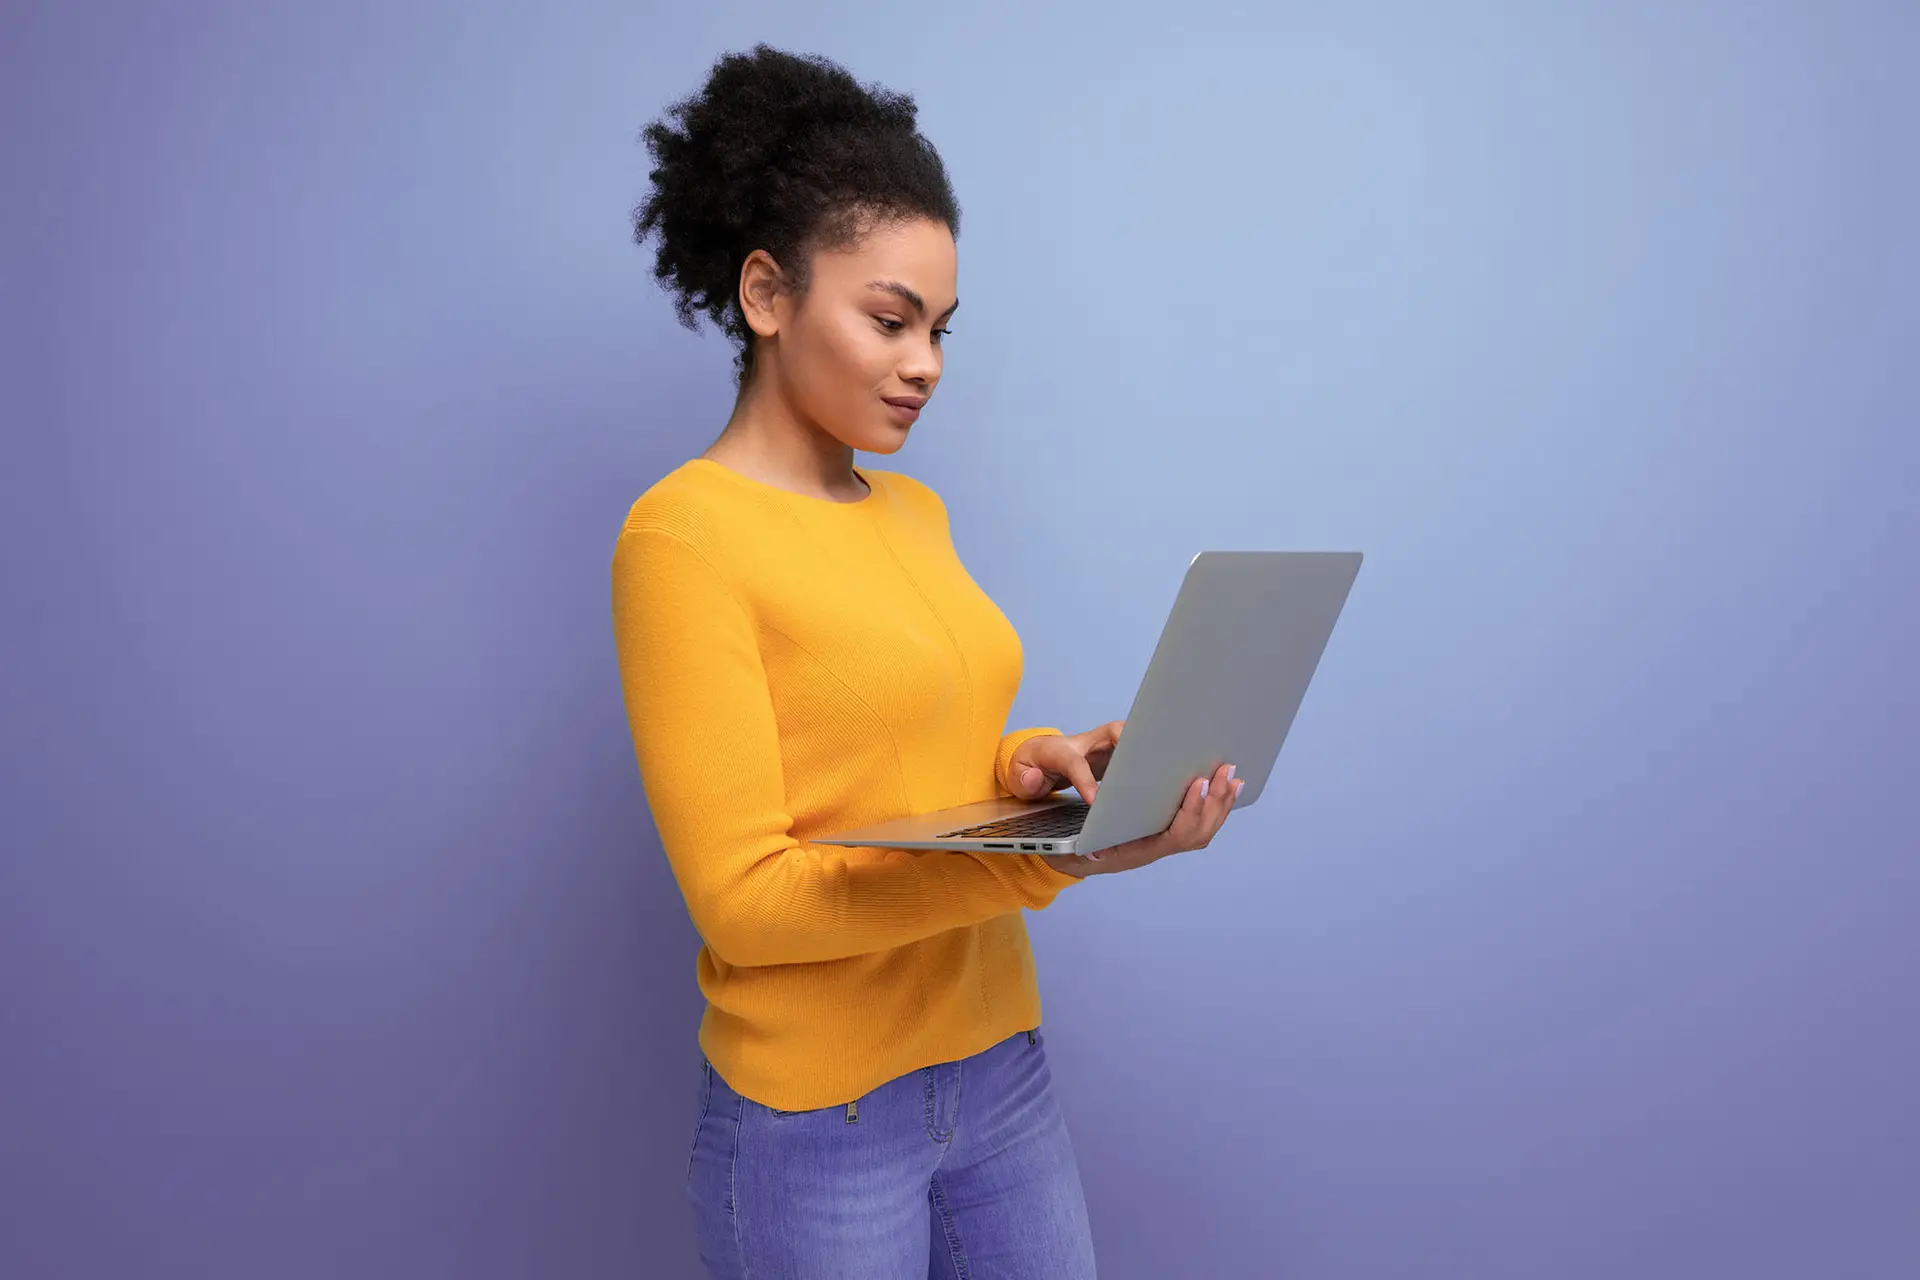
(781, 152)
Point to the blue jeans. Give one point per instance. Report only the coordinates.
(960, 1171)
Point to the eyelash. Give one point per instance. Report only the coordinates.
(894, 326)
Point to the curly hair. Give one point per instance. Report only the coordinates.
(782, 152)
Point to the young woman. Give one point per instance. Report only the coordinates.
(802, 650)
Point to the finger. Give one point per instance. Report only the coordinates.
(1100, 738)
(1200, 826)
(1080, 774)
(1226, 790)
(1102, 755)
(1192, 815)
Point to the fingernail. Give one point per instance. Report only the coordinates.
(1231, 770)
(1239, 786)
(1203, 788)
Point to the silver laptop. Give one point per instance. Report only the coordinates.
(1233, 663)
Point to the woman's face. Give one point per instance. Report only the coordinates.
(861, 348)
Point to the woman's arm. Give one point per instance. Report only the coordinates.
(709, 753)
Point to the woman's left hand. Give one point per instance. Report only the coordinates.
(1051, 761)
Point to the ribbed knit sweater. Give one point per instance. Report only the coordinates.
(795, 665)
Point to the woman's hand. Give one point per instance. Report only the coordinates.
(1201, 813)
(1051, 761)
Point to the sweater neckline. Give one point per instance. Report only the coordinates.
(871, 498)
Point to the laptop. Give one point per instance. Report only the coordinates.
(1261, 620)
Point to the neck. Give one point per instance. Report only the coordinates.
(767, 439)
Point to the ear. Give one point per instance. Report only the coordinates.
(762, 285)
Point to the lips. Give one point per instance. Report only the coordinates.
(905, 402)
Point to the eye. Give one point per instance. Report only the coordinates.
(938, 333)
(891, 326)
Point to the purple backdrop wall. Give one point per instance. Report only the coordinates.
(1576, 936)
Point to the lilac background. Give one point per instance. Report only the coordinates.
(1576, 937)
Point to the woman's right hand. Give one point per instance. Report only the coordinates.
(1199, 817)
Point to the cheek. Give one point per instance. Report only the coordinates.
(844, 362)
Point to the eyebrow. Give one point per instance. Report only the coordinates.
(912, 299)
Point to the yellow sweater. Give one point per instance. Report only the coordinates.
(797, 665)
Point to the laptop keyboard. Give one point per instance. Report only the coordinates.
(1061, 820)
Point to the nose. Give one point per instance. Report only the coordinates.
(922, 365)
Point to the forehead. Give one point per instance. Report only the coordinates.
(919, 254)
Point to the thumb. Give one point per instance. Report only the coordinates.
(1031, 780)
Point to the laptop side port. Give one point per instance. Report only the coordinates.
(1029, 846)
(991, 845)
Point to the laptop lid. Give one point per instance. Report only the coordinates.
(1226, 680)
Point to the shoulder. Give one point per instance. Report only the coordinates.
(682, 504)
(916, 493)
(683, 523)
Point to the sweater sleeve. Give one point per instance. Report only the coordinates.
(708, 747)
